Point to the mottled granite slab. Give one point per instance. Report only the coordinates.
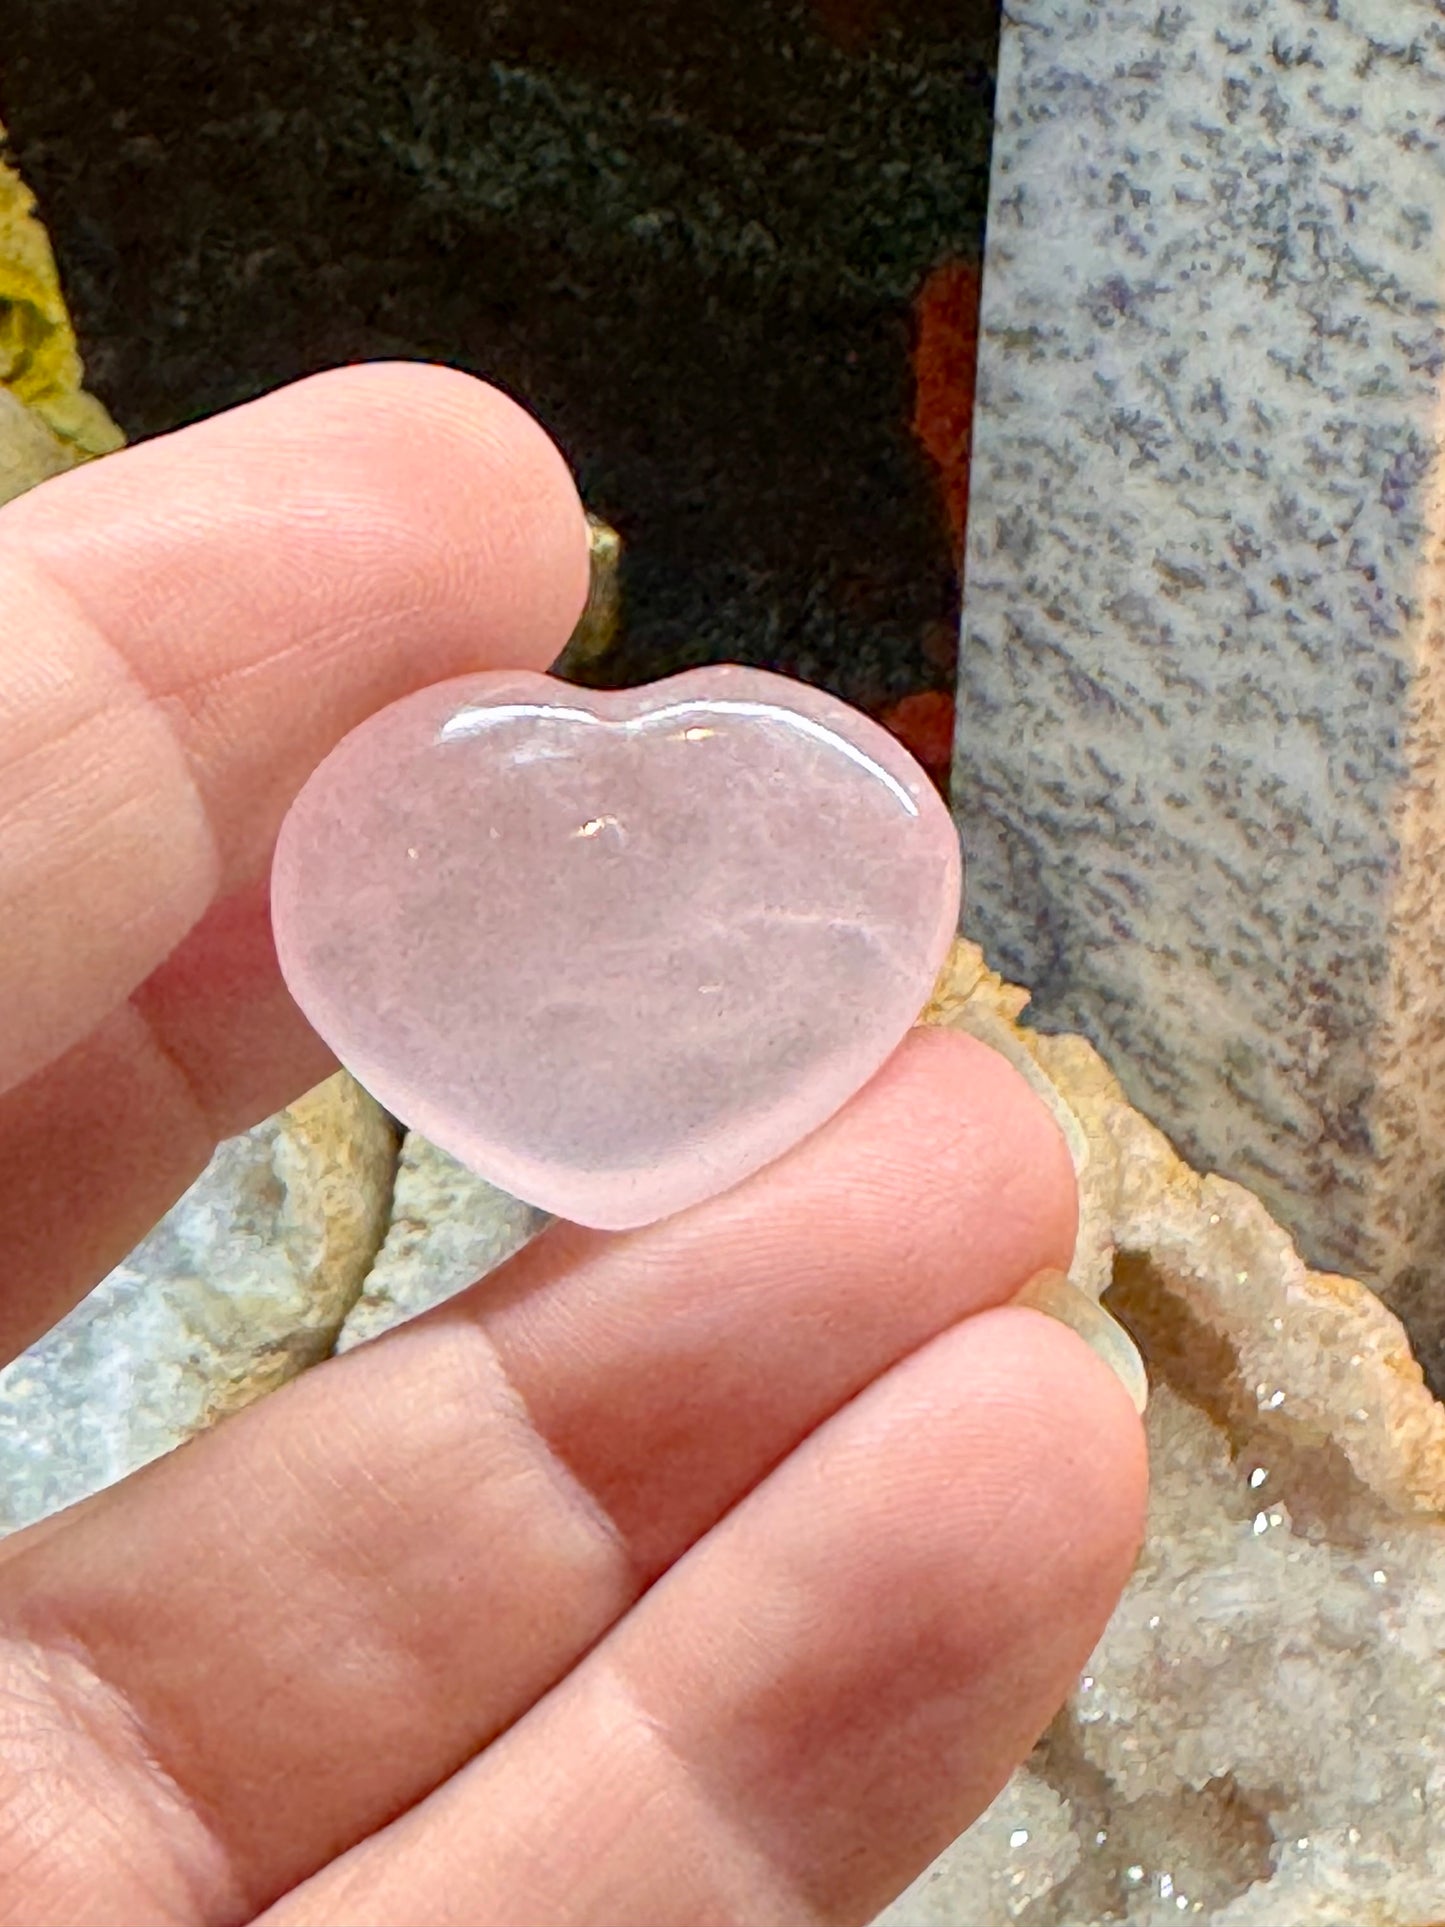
(1202, 683)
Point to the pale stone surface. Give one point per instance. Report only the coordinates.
(1258, 1735)
(29, 451)
(241, 1286)
(615, 950)
(1202, 682)
(448, 1229)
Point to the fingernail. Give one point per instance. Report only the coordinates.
(1051, 1293)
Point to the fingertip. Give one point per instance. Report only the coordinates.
(1077, 1433)
(466, 426)
(443, 451)
(433, 431)
(981, 1117)
(1005, 1474)
(1013, 1454)
(430, 394)
(274, 575)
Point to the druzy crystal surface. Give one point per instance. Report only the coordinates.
(615, 950)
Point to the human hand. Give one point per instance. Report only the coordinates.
(718, 1572)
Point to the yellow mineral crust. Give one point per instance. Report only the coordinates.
(39, 361)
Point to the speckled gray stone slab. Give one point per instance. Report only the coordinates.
(1202, 721)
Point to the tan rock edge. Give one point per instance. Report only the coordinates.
(334, 1158)
(1203, 1276)
(447, 1228)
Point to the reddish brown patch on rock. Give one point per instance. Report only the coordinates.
(849, 24)
(923, 723)
(945, 361)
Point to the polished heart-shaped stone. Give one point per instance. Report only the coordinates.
(615, 950)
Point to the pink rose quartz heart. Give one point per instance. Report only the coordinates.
(615, 950)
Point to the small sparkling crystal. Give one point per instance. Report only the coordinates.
(615, 950)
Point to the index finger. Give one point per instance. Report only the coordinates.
(195, 622)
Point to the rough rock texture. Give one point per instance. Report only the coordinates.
(47, 421)
(1201, 711)
(448, 1228)
(243, 1284)
(1257, 1740)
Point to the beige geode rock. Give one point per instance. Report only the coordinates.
(1258, 1741)
(1201, 1271)
(241, 1286)
(448, 1228)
